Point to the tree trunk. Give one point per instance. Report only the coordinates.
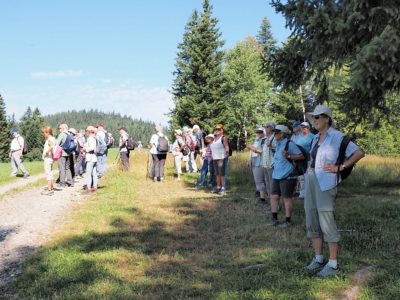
(238, 140)
(302, 103)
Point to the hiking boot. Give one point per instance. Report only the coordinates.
(273, 222)
(327, 271)
(260, 202)
(285, 224)
(314, 265)
(26, 175)
(47, 193)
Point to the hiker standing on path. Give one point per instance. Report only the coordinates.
(255, 163)
(91, 160)
(16, 153)
(220, 152)
(177, 147)
(47, 157)
(123, 150)
(321, 187)
(158, 150)
(305, 140)
(282, 183)
(64, 162)
(268, 155)
(102, 157)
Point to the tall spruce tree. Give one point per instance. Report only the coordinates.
(197, 88)
(363, 35)
(4, 128)
(30, 126)
(266, 40)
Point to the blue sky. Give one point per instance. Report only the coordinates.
(113, 55)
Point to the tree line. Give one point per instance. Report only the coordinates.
(326, 60)
(32, 122)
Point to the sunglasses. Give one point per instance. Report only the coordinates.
(259, 131)
(319, 116)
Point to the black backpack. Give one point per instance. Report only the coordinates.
(300, 165)
(229, 144)
(341, 159)
(130, 144)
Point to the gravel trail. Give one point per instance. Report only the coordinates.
(26, 222)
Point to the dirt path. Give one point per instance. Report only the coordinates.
(20, 183)
(26, 222)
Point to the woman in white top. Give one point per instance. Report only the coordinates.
(177, 147)
(47, 156)
(158, 153)
(91, 160)
(220, 150)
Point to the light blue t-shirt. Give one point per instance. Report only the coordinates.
(282, 166)
(328, 153)
(305, 141)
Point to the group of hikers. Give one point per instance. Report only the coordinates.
(278, 162)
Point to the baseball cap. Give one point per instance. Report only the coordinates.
(305, 124)
(13, 130)
(296, 124)
(270, 124)
(282, 128)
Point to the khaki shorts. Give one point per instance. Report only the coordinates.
(48, 168)
(319, 208)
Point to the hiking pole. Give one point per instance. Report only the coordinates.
(147, 166)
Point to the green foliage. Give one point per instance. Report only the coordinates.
(246, 91)
(31, 129)
(138, 129)
(362, 34)
(4, 136)
(197, 86)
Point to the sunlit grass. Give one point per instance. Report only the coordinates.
(139, 239)
(34, 167)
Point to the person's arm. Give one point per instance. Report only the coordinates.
(293, 153)
(226, 145)
(352, 160)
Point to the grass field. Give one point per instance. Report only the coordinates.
(34, 167)
(138, 239)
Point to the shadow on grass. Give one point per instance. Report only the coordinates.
(215, 249)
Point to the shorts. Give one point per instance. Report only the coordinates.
(283, 187)
(219, 167)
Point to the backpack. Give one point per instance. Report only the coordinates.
(25, 148)
(130, 144)
(69, 144)
(191, 143)
(101, 147)
(162, 144)
(106, 139)
(110, 139)
(230, 146)
(57, 152)
(341, 158)
(300, 165)
(199, 137)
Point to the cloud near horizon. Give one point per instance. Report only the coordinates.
(150, 104)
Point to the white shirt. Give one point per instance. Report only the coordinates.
(17, 143)
(218, 149)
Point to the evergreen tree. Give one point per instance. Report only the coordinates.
(31, 129)
(364, 35)
(266, 41)
(197, 88)
(4, 136)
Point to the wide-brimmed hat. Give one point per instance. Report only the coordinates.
(282, 128)
(196, 127)
(210, 136)
(320, 110)
(178, 131)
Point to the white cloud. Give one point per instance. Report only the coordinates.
(106, 81)
(138, 102)
(57, 74)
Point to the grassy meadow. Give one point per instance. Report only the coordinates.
(34, 167)
(136, 239)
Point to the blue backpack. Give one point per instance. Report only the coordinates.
(69, 145)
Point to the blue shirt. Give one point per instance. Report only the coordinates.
(328, 153)
(282, 166)
(305, 141)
